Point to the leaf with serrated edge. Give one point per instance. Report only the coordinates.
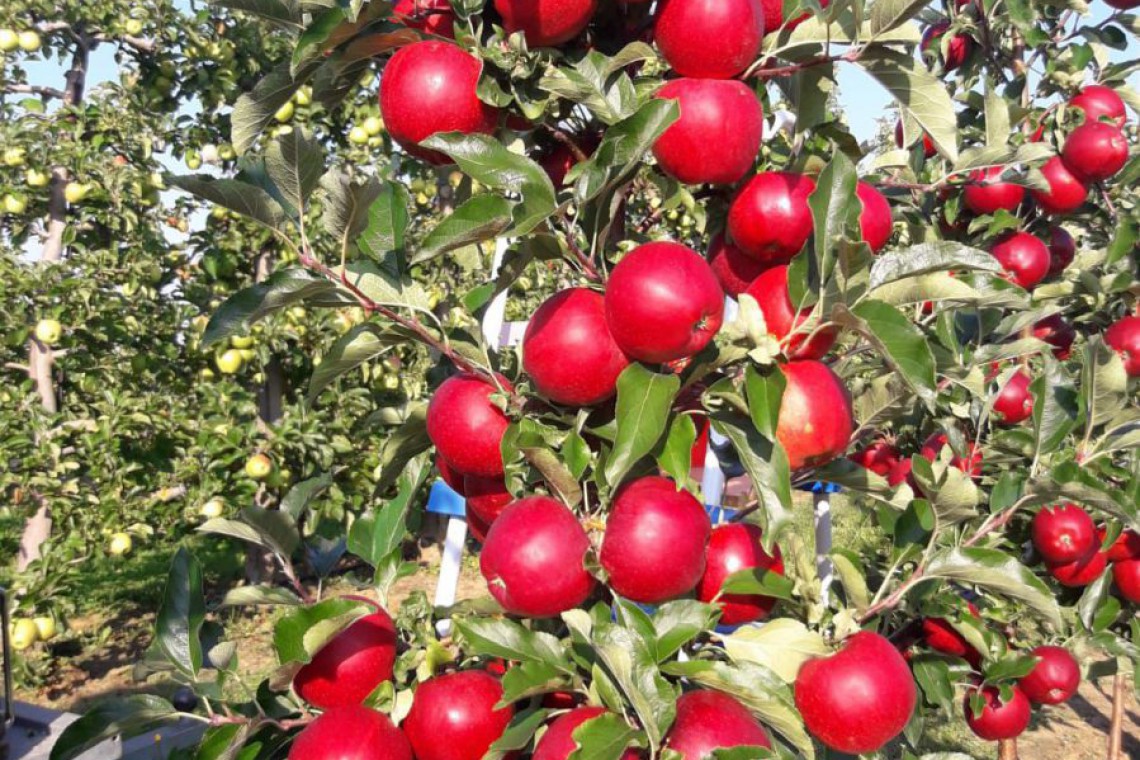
(644, 398)
(782, 645)
(295, 163)
(918, 92)
(999, 573)
(120, 716)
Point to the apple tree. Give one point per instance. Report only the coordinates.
(942, 328)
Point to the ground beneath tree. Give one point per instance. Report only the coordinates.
(106, 668)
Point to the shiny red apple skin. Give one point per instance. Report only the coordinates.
(1053, 680)
(940, 636)
(999, 721)
(709, 720)
(557, 163)
(816, 419)
(1066, 193)
(427, 88)
(654, 543)
(1024, 257)
(770, 219)
(734, 269)
(663, 303)
(1058, 333)
(466, 426)
(1014, 402)
(1125, 547)
(350, 665)
(534, 558)
(431, 16)
(858, 699)
(451, 476)
(546, 23)
(1063, 533)
(770, 290)
(686, 29)
(880, 457)
(1095, 151)
(971, 464)
(1126, 576)
(1123, 337)
(486, 498)
(351, 733)
(928, 148)
(1081, 572)
(956, 53)
(568, 351)
(875, 223)
(453, 716)
(558, 741)
(734, 547)
(987, 194)
(1062, 250)
(717, 136)
(1099, 102)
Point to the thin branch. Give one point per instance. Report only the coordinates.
(564, 138)
(34, 89)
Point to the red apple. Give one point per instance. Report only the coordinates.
(714, 39)
(1054, 679)
(558, 741)
(782, 320)
(956, 52)
(999, 721)
(486, 498)
(1125, 547)
(1099, 102)
(717, 136)
(734, 270)
(663, 303)
(559, 160)
(449, 475)
(1024, 258)
(1062, 250)
(453, 717)
(534, 558)
(1081, 572)
(986, 193)
(350, 665)
(734, 547)
(568, 351)
(1014, 402)
(466, 426)
(1123, 337)
(875, 218)
(1126, 575)
(970, 464)
(879, 457)
(1095, 151)
(1058, 333)
(546, 23)
(943, 637)
(928, 148)
(774, 16)
(902, 471)
(1066, 193)
(816, 420)
(858, 699)
(710, 720)
(429, 87)
(351, 733)
(1063, 533)
(478, 526)
(770, 219)
(431, 16)
(655, 539)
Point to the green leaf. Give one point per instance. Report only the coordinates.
(479, 218)
(386, 288)
(511, 641)
(1055, 407)
(1104, 383)
(222, 742)
(300, 634)
(409, 440)
(360, 344)
(272, 529)
(281, 289)
(297, 500)
(999, 573)
(834, 211)
(598, 82)
(387, 224)
(376, 535)
(847, 566)
(676, 457)
(518, 733)
(295, 163)
(644, 398)
(652, 697)
(605, 737)
(284, 12)
(679, 622)
(933, 676)
(997, 116)
(254, 110)
(889, 14)
(259, 595)
(926, 258)
(758, 581)
(180, 618)
(240, 197)
(898, 339)
(623, 147)
(767, 468)
(123, 716)
(782, 645)
(531, 678)
(918, 93)
(765, 393)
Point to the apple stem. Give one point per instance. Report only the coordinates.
(1007, 749)
(1116, 724)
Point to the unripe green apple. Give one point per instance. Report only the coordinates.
(375, 142)
(303, 96)
(285, 112)
(120, 544)
(241, 341)
(45, 627)
(14, 156)
(230, 361)
(36, 178)
(247, 354)
(226, 152)
(373, 125)
(213, 508)
(358, 136)
(297, 313)
(76, 191)
(24, 634)
(15, 204)
(29, 41)
(206, 373)
(49, 331)
(259, 467)
(133, 27)
(193, 161)
(9, 40)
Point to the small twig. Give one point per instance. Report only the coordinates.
(591, 271)
(1107, 202)
(34, 89)
(565, 139)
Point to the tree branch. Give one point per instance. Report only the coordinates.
(47, 93)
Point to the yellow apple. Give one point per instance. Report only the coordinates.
(29, 41)
(285, 112)
(120, 544)
(373, 125)
(358, 136)
(241, 341)
(76, 191)
(14, 156)
(24, 634)
(49, 331)
(36, 178)
(133, 27)
(229, 361)
(303, 96)
(45, 627)
(213, 508)
(15, 204)
(259, 466)
(9, 40)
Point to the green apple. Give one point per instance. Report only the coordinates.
(213, 508)
(358, 136)
(247, 354)
(297, 313)
(373, 125)
(259, 467)
(230, 361)
(193, 161)
(9, 40)
(76, 191)
(206, 373)
(133, 27)
(226, 152)
(241, 341)
(285, 112)
(14, 156)
(29, 41)
(36, 178)
(24, 634)
(120, 544)
(303, 96)
(49, 331)
(45, 627)
(15, 204)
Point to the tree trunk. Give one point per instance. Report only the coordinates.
(1007, 749)
(1116, 723)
